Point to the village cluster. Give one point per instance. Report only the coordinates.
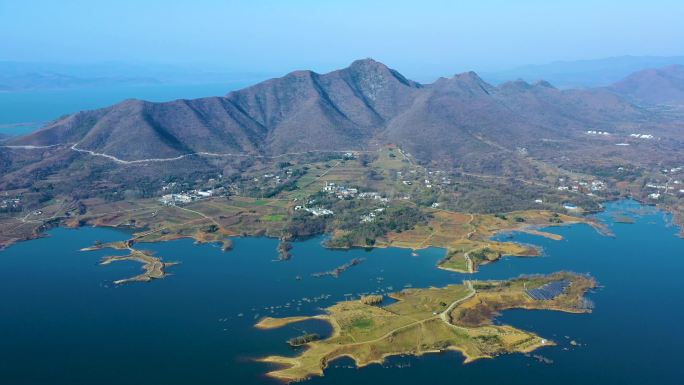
(316, 211)
(673, 170)
(190, 196)
(432, 178)
(671, 187)
(581, 186)
(634, 135)
(641, 136)
(343, 192)
(10, 204)
(276, 178)
(592, 132)
(370, 217)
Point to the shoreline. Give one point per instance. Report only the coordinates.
(495, 250)
(64, 222)
(301, 367)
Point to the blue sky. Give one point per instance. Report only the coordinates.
(428, 36)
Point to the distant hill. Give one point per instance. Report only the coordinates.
(51, 80)
(20, 76)
(462, 121)
(654, 86)
(23, 76)
(584, 73)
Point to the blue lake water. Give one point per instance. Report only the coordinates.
(33, 108)
(63, 322)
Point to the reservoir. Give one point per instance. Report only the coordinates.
(62, 321)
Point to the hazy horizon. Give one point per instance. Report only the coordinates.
(437, 39)
(216, 68)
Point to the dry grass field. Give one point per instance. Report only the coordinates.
(456, 317)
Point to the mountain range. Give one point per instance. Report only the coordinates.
(504, 146)
(584, 73)
(456, 121)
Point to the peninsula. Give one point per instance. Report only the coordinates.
(456, 317)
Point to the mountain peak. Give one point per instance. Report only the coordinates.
(522, 85)
(470, 76)
(370, 69)
(466, 81)
(367, 63)
(543, 83)
(516, 85)
(472, 79)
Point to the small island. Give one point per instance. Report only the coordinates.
(153, 267)
(456, 317)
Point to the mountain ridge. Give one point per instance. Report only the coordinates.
(350, 108)
(588, 73)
